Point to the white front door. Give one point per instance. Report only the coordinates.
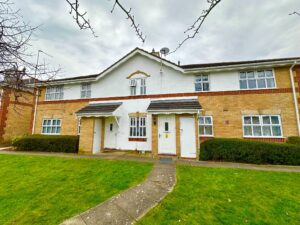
(166, 134)
(97, 136)
(187, 137)
(110, 134)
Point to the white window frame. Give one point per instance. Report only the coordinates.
(256, 78)
(86, 90)
(261, 125)
(202, 82)
(206, 124)
(138, 86)
(139, 125)
(51, 126)
(54, 93)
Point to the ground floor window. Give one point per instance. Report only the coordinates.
(262, 126)
(137, 127)
(51, 126)
(205, 126)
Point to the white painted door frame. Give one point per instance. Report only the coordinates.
(97, 136)
(188, 148)
(166, 134)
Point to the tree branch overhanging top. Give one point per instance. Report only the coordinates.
(193, 30)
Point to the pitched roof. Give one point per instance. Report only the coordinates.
(99, 108)
(207, 65)
(181, 104)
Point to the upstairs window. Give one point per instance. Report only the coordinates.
(86, 90)
(260, 79)
(205, 126)
(54, 92)
(202, 83)
(137, 127)
(262, 126)
(51, 126)
(137, 86)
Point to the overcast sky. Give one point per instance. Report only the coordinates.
(235, 30)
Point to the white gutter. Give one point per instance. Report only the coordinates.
(35, 108)
(295, 96)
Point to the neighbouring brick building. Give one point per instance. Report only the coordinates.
(147, 103)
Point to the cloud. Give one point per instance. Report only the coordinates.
(235, 30)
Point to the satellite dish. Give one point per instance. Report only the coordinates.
(164, 51)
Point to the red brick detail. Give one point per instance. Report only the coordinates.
(297, 79)
(267, 139)
(4, 110)
(190, 94)
(203, 138)
(138, 139)
(32, 111)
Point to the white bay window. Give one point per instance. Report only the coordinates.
(137, 127)
(205, 126)
(260, 79)
(54, 93)
(51, 126)
(262, 126)
(202, 83)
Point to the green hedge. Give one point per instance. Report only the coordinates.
(47, 143)
(295, 140)
(237, 150)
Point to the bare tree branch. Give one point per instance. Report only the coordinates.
(130, 17)
(80, 17)
(294, 13)
(195, 27)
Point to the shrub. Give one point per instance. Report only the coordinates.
(293, 140)
(47, 143)
(237, 150)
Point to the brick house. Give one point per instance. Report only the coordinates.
(146, 103)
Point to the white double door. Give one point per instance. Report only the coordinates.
(167, 136)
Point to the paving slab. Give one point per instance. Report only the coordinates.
(132, 204)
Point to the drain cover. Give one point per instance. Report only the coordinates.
(165, 160)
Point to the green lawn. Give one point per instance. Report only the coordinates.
(48, 190)
(229, 196)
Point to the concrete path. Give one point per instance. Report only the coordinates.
(118, 156)
(131, 205)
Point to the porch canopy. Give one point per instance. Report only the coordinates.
(177, 106)
(99, 110)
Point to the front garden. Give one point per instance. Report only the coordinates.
(48, 190)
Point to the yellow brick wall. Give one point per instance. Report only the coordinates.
(86, 136)
(64, 111)
(227, 111)
(282, 75)
(19, 115)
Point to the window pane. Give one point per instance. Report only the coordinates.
(247, 120)
(242, 75)
(58, 122)
(205, 86)
(261, 83)
(201, 120)
(205, 78)
(275, 119)
(261, 73)
(256, 130)
(198, 87)
(48, 130)
(250, 74)
(44, 130)
(276, 130)
(207, 120)
(251, 84)
(58, 130)
(255, 120)
(269, 73)
(44, 122)
(201, 130)
(266, 120)
(247, 131)
(266, 131)
(53, 131)
(243, 84)
(198, 79)
(208, 130)
(48, 122)
(270, 83)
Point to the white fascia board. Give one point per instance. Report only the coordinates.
(177, 111)
(241, 66)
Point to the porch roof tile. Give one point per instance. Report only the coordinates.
(99, 108)
(175, 104)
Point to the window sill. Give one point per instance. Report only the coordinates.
(255, 89)
(137, 139)
(267, 139)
